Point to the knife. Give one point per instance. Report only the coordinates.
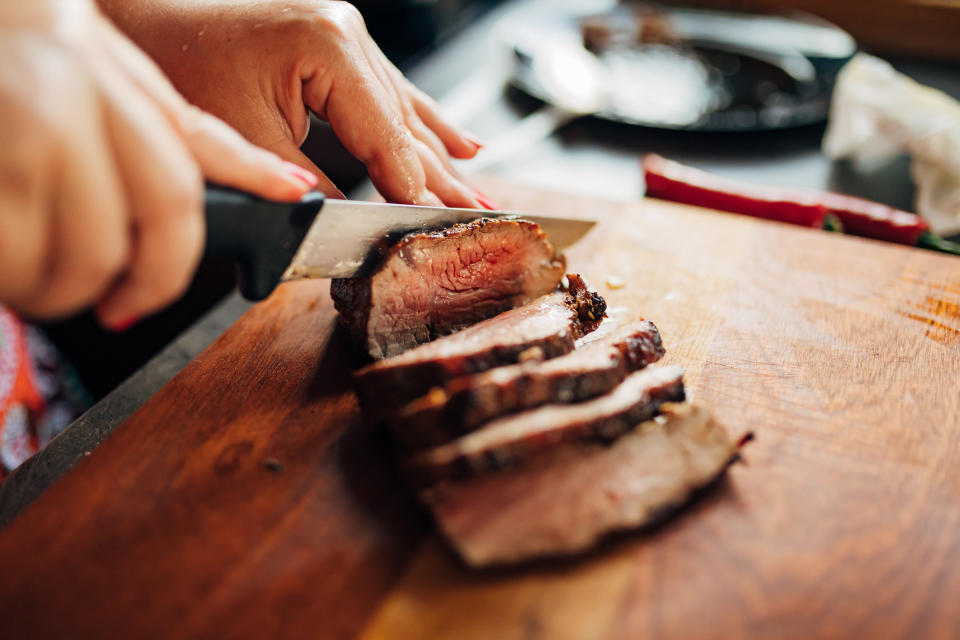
(318, 237)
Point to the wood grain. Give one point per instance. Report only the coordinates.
(843, 355)
(922, 28)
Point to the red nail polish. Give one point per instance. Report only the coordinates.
(299, 172)
(483, 199)
(472, 139)
(123, 325)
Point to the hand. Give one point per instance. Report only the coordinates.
(101, 168)
(261, 65)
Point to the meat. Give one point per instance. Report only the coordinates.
(513, 439)
(432, 284)
(469, 401)
(565, 501)
(549, 326)
(525, 438)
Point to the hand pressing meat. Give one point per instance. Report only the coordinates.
(101, 168)
(263, 65)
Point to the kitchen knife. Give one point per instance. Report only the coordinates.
(320, 237)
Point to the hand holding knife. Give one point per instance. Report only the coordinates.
(320, 237)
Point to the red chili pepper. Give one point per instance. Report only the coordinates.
(670, 180)
(870, 219)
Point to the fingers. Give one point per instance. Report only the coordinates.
(441, 177)
(421, 112)
(89, 225)
(287, 149)
(223, 154)
(451, 191)
(69, 240)
(164, 190)
(293, 155)
(459, 144)
(378, 124)
(226, 158)
(365, 119)
(25, 177)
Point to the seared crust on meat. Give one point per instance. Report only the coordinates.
(551, 324)
(469, 401)
(591, 307)
(511, 440)
(431, 284)
(565, 501)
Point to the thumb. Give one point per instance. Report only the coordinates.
(279, 142)
(227, 158)
(293, 156)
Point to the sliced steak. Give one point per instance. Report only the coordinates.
(469, 401)
(433, 284)
(507, 441)
(547, 327)
(564, 502)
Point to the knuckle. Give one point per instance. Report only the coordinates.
(340, 20)
(183, 198)
(158, 289)
(191, 121)
(98, 268)
(167, 285)
(166, 290)
(346, 13)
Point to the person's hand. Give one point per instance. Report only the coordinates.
(262, 65)
(102, 166)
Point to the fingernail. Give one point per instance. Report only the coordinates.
(302, 174)
(429, 199)
(123, 325)
(472, 139)
(485, 200)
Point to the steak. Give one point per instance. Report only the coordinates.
(510, 440)
(566, 501)
(435, 283)
(469, 401)
(545, 328)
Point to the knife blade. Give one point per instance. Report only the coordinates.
(320, 237)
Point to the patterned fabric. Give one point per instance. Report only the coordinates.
(39, 396)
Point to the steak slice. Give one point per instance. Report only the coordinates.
(507, 441)
(469, 401)
(566, 501)
(433, 284)
(547, 327)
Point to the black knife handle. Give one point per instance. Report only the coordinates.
(260, 236)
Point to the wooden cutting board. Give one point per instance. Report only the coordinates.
(248, 500)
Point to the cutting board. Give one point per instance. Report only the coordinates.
(248, 499)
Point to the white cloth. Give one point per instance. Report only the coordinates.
(878, 113)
